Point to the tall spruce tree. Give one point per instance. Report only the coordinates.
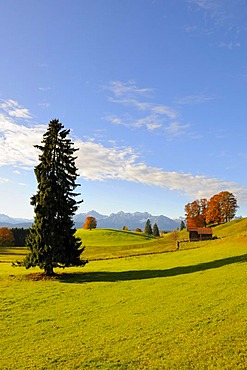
(51, 241)
(148, 228)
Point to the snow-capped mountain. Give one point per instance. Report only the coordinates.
(114, 221)
(131, 220)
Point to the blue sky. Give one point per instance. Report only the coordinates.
(154, 93)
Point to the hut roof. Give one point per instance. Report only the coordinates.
(202, 230)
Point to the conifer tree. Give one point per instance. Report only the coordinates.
(156, 231)
(51, 241)
(148, 228)
(182, 225)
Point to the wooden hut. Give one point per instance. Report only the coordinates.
(200, 233)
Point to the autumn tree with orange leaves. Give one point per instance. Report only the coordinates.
(90, 223)
(218, 209)
(6, 236)
(222, 208)
(195, 213)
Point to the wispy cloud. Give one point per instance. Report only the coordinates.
(44, 105)
(144, 113)
(13, 109)
(45, 89)
(226, 15)
(98, 162)
(229, 45)
(127, 89)
(210, 5)
(193, 99)
(3, 180)
(176, 129)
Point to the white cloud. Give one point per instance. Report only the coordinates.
(151, 122)
(176, 129)
(146, 114)
(97, 162)
(16, 143)
(126, 88)
(119, 121)
(3, 180)
(13, 109)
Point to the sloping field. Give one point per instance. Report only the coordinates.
(234, 228)
(110, 243)
(112, 237)
(182, 310)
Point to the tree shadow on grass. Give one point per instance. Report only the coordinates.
(111, 276)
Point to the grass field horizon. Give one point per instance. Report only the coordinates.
(182, 310)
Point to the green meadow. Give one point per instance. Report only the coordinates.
(183, 309)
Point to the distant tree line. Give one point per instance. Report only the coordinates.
(20, 235)
(15, 236)
(220, 208)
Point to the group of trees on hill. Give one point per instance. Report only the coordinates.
(151, 231)
(218, 209)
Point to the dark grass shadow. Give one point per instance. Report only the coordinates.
(112, 276)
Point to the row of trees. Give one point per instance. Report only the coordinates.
(218, 209)
(151, 231)
(14, 236)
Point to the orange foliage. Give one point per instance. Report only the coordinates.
(220, 208)
(196, 213)
(90, 223)
(6, 236)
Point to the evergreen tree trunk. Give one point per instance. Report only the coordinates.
(48, 269)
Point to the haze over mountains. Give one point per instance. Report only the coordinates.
(114, 220)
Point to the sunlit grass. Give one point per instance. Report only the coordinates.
(182, 310)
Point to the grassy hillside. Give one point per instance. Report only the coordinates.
(112, 237)
(183, 310)
(234, 228)
(110, 243)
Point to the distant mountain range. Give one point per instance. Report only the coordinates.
(6, 221)
(131, 220)
(114, 221)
